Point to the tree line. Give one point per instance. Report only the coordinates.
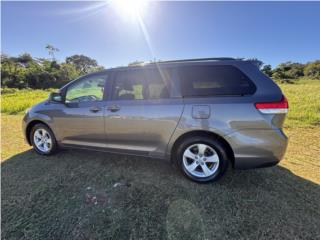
(291, 70)
(26, 71)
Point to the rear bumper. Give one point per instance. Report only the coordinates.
(256, 148)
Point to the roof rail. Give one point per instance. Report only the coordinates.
(198, 59)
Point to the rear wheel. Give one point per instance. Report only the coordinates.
(43, 139)
(202, 159)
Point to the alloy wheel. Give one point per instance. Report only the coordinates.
(201, 160)
(42, 140)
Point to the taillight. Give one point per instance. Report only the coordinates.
(273, 107)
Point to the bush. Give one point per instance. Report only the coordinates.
(8, 90)
(312, 70)
(288, 70)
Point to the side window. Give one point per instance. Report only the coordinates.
(87, 89)
(129, 85)
(214, 80)
(158, 83)
(141, 84)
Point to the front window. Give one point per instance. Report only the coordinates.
(86, 90)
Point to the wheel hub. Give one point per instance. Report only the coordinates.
(200, 160)
(42, 140)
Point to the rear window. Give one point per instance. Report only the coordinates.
(214, 80)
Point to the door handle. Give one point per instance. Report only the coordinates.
(113, 108)
(95, 109)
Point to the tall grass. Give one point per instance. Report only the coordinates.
(15, 101)
(304, 103)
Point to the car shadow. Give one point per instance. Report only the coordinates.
(78, 194)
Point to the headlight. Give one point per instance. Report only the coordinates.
(27, 110)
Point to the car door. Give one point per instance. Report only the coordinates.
(81, 122)
(144, 111)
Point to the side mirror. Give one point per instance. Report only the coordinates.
(55, 97)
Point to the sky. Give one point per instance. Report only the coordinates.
(116, 34)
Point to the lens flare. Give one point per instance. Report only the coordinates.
(129, 9)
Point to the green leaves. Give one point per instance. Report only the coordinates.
(25, 71)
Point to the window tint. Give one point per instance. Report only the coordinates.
(140, 84)
(158, 83)
(129, 85)
(87, 89)
(214, 80)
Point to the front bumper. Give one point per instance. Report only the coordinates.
(24, 128)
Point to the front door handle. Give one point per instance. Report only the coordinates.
(95, 109)
(113, 108)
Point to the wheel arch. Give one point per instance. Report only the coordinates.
(206, 134)
(31, 125)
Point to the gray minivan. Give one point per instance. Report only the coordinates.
(202, 114)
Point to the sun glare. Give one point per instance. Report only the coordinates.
(129, 8)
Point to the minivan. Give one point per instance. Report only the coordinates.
(201, 114)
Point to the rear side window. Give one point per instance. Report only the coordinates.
(141, 84)
(158, 83)
(214, 80)
(129, 85)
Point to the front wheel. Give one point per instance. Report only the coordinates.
(202, 159)
(43, 139)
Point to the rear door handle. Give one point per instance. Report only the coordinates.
(113, 108)
(95, 109)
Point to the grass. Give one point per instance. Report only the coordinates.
(72, 196)
(17, 101)
(304, 103)
(91, 195)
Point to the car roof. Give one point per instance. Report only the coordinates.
(171, 63)
(176, 63)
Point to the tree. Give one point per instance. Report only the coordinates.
(66, 73)
(12, 72)
(312, 70)
(26, 71)
(41, 79)
(52, 50)
(82, 63)
(24, 59)
(296, 70)
(267, 70)
(288, 70)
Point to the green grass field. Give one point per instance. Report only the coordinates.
(75, 195)
(18, 101)
(304, 103)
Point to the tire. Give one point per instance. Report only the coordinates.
(48, 144)
(204, 153)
